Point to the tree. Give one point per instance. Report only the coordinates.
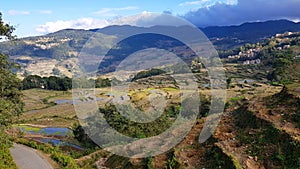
(50, 83)
(82, 137)
(33, 81)
(6, 30)
(10, 97)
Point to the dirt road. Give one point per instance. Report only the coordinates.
(28, 158)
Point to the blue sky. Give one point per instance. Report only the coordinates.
(35, 17)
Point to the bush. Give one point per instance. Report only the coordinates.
(64, 160)
(149, 73)
(172, 161)
(6, 160)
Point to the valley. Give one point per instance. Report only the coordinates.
(56, 110)
(259, 128)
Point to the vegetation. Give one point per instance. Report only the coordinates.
(218, 159)
(235, 162)
(70, 43)
(289, 102)
(89, 163)
(57, 83)
(279, 63)
(261, 138)
(10, 98)
(148, 73)
(64, 160)
(172, 162)
(50, 83)
(82, 137)
(6, 160)
(118, 162)
(99, 82)
(268, 143)
(147, 163)
(135, 129)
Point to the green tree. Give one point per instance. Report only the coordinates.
(6, 30)
(10, 94)
(33, 81)
(82, 137)
(10, 97)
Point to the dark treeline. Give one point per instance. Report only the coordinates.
(50, 83)
(99, 82)
(147, 73)
(57, 83)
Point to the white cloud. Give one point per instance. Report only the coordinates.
(208, 3)
(231, 2)
(113, 11)
(193, 2)
(45, 12)
(15, 12)
(145, 19)
(297, 20)
(131, 20)
(233, 13)
(82, 23)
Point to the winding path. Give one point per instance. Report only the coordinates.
(28, 158)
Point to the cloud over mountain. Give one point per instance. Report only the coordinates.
(245, 11)
(213, 13)
(145, 19)
(82, 23)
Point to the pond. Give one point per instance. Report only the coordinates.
(56, 142)
(67, 101)
(246, 81)
(64, 101)
(54, 131)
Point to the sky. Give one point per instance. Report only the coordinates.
(36, 17)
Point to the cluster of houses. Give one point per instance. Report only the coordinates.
(46, 42)
(284, 47)
(249, 56)
(252, 62)
(285, 34)
(251, 53)
(285, 37)
(279, 41)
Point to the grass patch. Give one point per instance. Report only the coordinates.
(235, 162)
(237, 98)
(26, 128)
(170, 89)
(36, 99)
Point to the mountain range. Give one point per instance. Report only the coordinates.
(68, 42)
(64, 45)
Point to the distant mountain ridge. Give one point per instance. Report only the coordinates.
(67, 43)
(252, 30)
(63, 46)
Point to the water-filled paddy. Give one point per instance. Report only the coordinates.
(53, 131)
